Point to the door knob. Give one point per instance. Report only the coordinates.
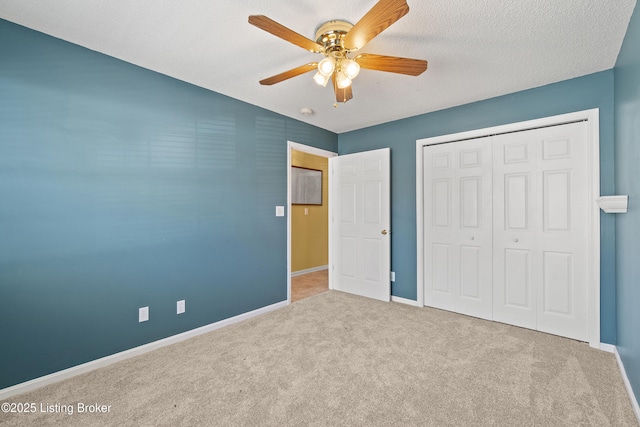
(471, 238)
(384, 232)
(515, 240)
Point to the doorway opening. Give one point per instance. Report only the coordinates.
(307, 227)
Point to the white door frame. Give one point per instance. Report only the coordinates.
(317, 152)
(593, 123)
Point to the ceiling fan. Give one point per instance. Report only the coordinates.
(336, 40)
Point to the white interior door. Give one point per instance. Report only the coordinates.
(458, 227)
(541, 230)
(360, 220)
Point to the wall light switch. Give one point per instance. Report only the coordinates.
(180, 307)
(143, 314)
(393, 276)
(279, 210)
(306, 211)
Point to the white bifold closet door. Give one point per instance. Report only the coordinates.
(540, 232)
(457, 212)
(506, 228)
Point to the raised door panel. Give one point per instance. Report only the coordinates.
(515, 298)
(517, 200)
(441, 274)
(557, 289)
(470, 272)
(348, 257)
(372, 262)
(372, 194)
(470, 202)
(441, 203)
(517, 278)
(556, 201)
(348, 203)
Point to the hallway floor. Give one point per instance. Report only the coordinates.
(309, 284)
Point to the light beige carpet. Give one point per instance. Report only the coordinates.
(337, 359)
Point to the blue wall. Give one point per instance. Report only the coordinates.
(122, 188)
(627, 110)
(592, 91)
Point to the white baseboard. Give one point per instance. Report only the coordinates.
(309, 270)
(607, 347)
(627, 384)
(634, 402)
(136, 351)
(405, 301)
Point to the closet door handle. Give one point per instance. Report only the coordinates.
(515, 240)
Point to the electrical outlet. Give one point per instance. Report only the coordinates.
(143, 314)
(393, 276)
(180, 307)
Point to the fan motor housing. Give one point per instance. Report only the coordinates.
(330, 35)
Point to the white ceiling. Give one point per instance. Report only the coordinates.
(476, 49)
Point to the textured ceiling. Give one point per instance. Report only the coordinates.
(476, 49)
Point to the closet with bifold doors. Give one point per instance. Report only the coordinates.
(506, 228)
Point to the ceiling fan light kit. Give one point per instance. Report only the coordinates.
(336, 40)
(321, 79)
(327, 66)
(351, 68)
(342, 80)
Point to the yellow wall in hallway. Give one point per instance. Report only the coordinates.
(309, 233)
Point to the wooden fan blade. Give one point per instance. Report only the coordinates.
(392, 64)
(379, 18)
(288, 74)
(342, 95)
(279, 30)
